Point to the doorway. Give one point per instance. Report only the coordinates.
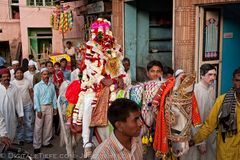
(5, 51)
(218, 38)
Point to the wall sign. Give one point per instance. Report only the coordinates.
(228, 35)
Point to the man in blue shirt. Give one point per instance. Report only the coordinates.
(66, 73)
(45, 105)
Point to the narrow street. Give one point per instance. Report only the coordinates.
(56, 152)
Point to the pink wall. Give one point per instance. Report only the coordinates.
(35, 17)
(10, 28)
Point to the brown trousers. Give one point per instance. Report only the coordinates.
(43, 127)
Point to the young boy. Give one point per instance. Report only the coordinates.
(58, 76)
(154, 70)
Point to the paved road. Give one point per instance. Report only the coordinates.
(56, 152)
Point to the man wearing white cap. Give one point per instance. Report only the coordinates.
(31, 71)
(179, 75)
(45, 105)
(178, 72)
(15, 65)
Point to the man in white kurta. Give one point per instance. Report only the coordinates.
(205, 95)
(31, 72)
(25, 133)
(10, 103)
(15, 65)
(75, 74)
(4, 140)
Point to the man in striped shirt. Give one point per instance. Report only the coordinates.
(124, 143)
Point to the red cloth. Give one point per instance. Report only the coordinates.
(4, 71)
(58, 78)
(196, 118)
(160, 143)
(72, 91)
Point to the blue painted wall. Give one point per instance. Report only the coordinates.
(142, 37)
(231, 46)
(130, 25)
(136, 31)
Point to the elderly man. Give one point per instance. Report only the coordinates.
(37, 76)
(15, 65)
(205, 95)
(31, 71)
(45, 105)
(224, 115)
(11, 105)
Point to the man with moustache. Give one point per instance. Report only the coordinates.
(205, 95)
(31, 71)
(124, 143)
(37, 76)
(11, 105)
(15, 65)
(225, 116)
(45, 105)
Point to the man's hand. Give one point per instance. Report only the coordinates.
(107, 82)
(20, 121)
(5, 140)
(202, 148)
(39, 115)
(54, 111)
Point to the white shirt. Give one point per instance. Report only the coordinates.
(24, 85)
(205, 98)
(12, 74)
(3, 130)
(128, 78)
(29, 76)
(11, 107)
(74, 74)
(70, 51)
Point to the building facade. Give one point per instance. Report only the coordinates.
(202, 31)
(25, 28)
(207, 31)
(10, 33)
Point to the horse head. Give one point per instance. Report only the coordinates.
(178, 112)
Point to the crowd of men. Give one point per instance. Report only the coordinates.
(28, 102)
(28, 107)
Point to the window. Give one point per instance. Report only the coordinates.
(40, 43)
(40, 2)
(14, 6)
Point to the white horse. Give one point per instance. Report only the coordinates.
(177, 110)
